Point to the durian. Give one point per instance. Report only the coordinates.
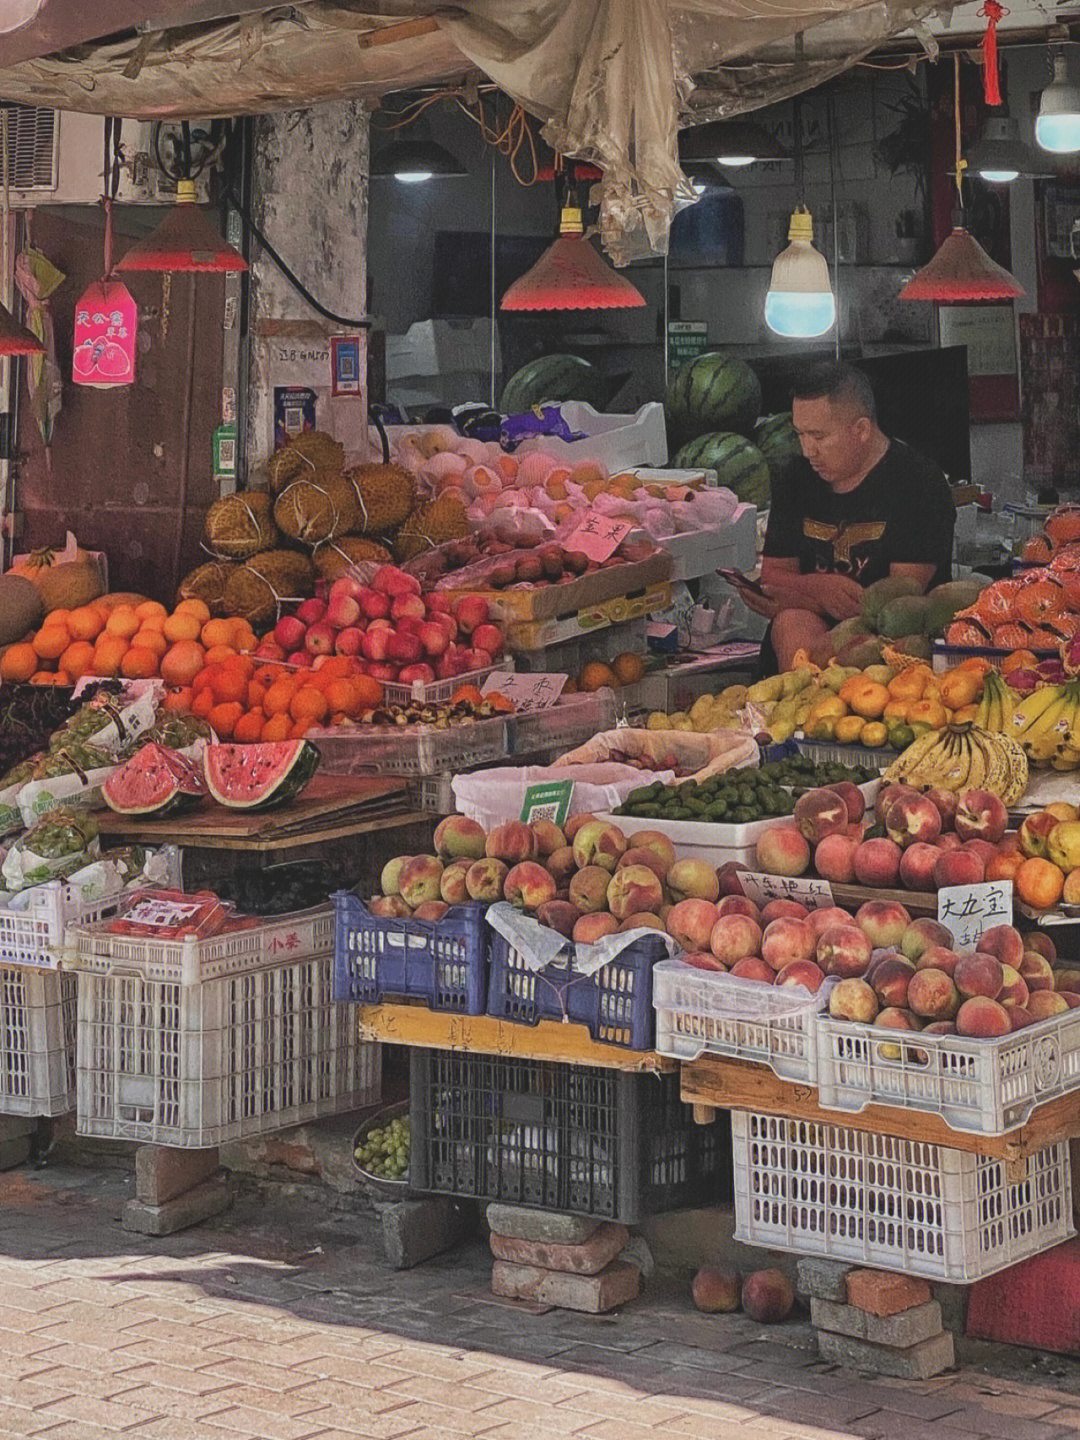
(433, 524)
(386, 494)
(310, 453)
(313, 510)
(336, 557)
(255, 589)
(240, 525)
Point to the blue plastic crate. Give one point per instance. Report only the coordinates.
(615, 1004)
(444, 962)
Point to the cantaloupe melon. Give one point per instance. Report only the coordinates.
(21, 608)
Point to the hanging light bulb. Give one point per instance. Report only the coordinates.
(1057, 126)
(800, 302)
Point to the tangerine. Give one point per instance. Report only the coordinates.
(51, 641)
(343, 697)
(123, 622)
(278, 698)
(139, 663)
(182, 626)
(217, 632)
(256, 693)
(369, 691)
(108, 655)
(152, 622)
(308, 703)
(628, 668)
(58, 616)
(249, 728)
(202, 703)
(228, 684)
(300, 729)
(178, 699)
(18, 662)
(335, 667)
(149, 608)
(224, 717)
(596, 676)
(217, 653)
(78, 659)
(151, 640)
(182, 662)
(198, 608)
(277, 727)
(85, 623)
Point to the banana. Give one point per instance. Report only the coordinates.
(1017, 764)
(993, 773)
(1031, 711)
(966, 753)
(985, 708)
(981, 760)
(936, 764)
(901, 767)
(1041, 739)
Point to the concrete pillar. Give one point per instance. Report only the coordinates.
(310, 200)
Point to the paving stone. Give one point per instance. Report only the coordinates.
(916, 1362)
(520, 1222)
(907, 1327)
(824, 1279)
(594, 1294)
(162, 1172)
(191, 1208)
(883, 1292)
(417, 1230)
(589, 1258)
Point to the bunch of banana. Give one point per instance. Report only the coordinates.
(1044, 722)
(995, 710)
(963, 757)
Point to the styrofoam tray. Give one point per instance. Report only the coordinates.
(618, 441)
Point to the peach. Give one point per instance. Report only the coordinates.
(885, 797)
(877, 863)
(1019, 1017)
(419, 879)
(658, 843)
(753, 968)
(484, 880)
(599, 843)
(1071, 998)
(561, 863)
(801, 972)
(819, 813)
(891, 980)
(982, 1018)
(938, 957)
(958, 867)
(735, 936)
(883, 922)
(979, 974)
(781, 850)
(549, 837)
(842, 950)
(574, 823)
(1070, 891)
(1041, 942)
(390, 879)
(739, 905)
(1014, 990)
(1003, 867)
(691, 922)
(559, 915)
(853, 1000)
(917, 865)
(591, 928)
(727, 875)
(649, 858)
(1066, 978)
(643, 920)
(949, 840)
(1045, 1003)
(693, 880)
(715, 1292)
(894, 1018)
(633, 890)
(933, 995)
(430, 910)
(701, 960)
(1039, 883)
(452, 887)
(1005, 942)
(389, 907)
(940, 1027)
(588, 889)
(783, 910)
(981, 815)
(459, 838)
(1034, 833)
(785, 940)
(528, 886)
(834, 859)
(1036, 971)
(852, 797)
(921, 934)
(511, 843)
(767, 1296)
(819, 920)
(945, 801)
(983, 849)
(913, 818)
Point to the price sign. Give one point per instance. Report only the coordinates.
(814, 894)
(967, 911)
(548, 802)
(598, 536)
(528, 692)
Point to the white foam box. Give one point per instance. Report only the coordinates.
(621, 442)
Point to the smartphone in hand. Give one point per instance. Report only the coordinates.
(736, 577)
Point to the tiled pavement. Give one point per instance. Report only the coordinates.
(272, 1323)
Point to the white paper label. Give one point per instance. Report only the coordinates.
(528, 692)
(967, 911)
(814, 894)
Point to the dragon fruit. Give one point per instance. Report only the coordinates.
(1070, 655)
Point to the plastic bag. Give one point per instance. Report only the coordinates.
(689, 754)
(492, 797)
(171, 915)
(52, 849)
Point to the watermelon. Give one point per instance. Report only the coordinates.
(258, 777)
(775, 437)
(552, 377)
(738, 465)
(713, 392)
(155, 781)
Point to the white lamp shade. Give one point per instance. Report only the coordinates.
(1057, 126)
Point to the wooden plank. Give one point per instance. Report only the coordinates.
(393, 34)
(342, 828)
(404, 1024)
(725, 1084)
(916, 902)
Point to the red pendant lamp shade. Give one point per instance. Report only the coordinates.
(570, 275)
(960, 272)
(16, 339)
(185, 240)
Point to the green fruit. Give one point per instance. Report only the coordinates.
(739, 466)
(712, 392)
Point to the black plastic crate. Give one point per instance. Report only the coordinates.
(583, 1139)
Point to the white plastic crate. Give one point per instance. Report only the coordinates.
(828, 752)
(255, 1049)
(707, 1012)
(981, 1087)
(37, 1042)
(899, 1204)
(618, 441)
(440, 692)
(411, 750)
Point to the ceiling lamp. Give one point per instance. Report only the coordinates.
(999, 156)
(185, 240)
(729, 142)
(1057, 126)
(800, 302)
(16, 339)
(570, 275)
(414, 161)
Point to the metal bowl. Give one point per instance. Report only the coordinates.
(377, 1185)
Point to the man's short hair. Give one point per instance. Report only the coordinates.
(841, 383)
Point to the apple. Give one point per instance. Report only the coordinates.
(349, 641)
(343, 612)
(311, 611)
(289, 632)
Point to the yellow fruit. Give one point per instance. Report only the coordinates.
(849, 729)
(657, 721)
(821, 728)
(874, 735)
(829, 706)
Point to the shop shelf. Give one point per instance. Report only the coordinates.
(444, 962)
(411, 750)
(615, 1004)
(37, 1042)
(701, 1012)
(574, 1138)
(903, 1205)
(982, 1087)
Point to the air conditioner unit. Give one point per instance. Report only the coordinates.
(56, 157)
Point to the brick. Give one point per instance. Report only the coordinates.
(520, 1222)
(191, 1208)
(593, 1294)
(883, 1292)
(909, 1327)
(162, 1172)
(824, 1279)
(917, 1362)
(417, 1230)
(600, 1249)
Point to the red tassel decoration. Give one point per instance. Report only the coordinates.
(991, 83)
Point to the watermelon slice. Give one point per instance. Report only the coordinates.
(257, 777)
(155, 781)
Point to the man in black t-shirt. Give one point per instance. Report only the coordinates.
(854, 508)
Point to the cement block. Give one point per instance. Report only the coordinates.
(909, 1327)
(520, 1222)
(591, 1294)
(824, 1279)
(599, 1250)
(191, 1208)
(162, 1172)
(418, 1230)
(916, 1362)
(884, 1292)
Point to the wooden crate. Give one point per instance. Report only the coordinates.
(568, 597)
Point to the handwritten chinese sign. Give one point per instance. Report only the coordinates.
(548, 802)
(528, 692)
(814, 894)
(598, 536)
(106, 322)
(967, 911)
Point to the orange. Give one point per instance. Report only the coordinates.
(224, 717)
(228, 684)
(217, 632)
(182, 626)
(308, 704)
(1018, 660)
(108, 654)
(18, 662)
(248, 729)
(336, 667)
(869, 700)
(343, 697)
(45, 677)
(152, 622)
(300, 729)
(217, 653)
(256, 693)
(277, 727)
(150, 608)
(151, 640)
(1039, 883)
(178, 699)
(78, 659)
(85, 623)
(203, 703)
(56, 617)
(182, 662)
(123, 622)
(198, 608)
(369, 691)
(267, 674)
(139, 663)
(629, 668)
(244, 638)
(595, 676)
(278, 697)
(51, 641)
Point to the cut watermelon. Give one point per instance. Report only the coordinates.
(155, 781)
(257, 777)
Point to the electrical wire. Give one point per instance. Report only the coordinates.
(515, 135)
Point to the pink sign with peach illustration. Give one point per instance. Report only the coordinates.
(106, 322)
